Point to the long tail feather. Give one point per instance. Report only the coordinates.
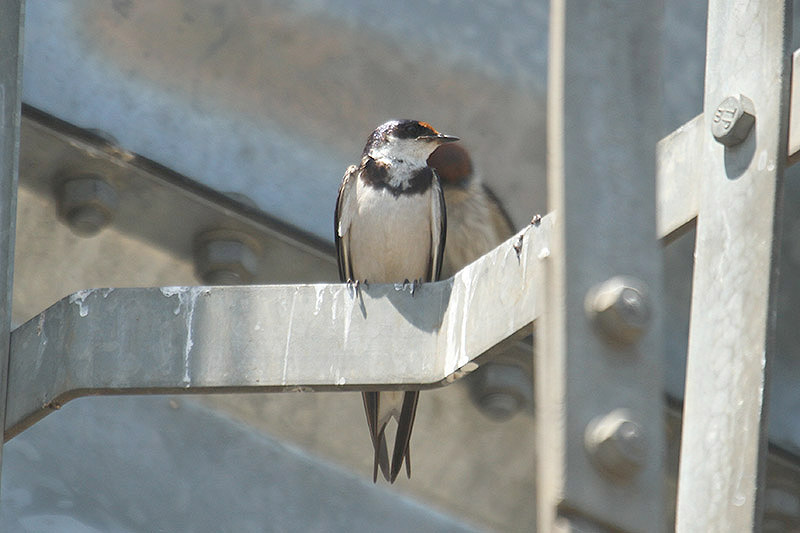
(371, 406)
(403, 438)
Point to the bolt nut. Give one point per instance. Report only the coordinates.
(87, 204)
(226, 258)
(500, 390)
(733, 120)
(616, 444)
(619, 308)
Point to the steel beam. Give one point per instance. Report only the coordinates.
(273, 338)
(600, 442)
(151, 196)
(732, 329)
(10, 83)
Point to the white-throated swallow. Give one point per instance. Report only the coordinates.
(390, 226)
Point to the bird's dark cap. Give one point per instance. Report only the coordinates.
(408, 129)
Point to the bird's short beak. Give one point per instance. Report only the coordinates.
(441, 138)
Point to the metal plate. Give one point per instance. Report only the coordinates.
(602, 134)
(152, 198)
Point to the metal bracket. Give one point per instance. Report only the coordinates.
(678, 178)
(679, 174)
(273, 338)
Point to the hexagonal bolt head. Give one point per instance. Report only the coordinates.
(733, 120)
(619, 308)
(500, 389)
(226, 258)
(616, 444)
(87, 204)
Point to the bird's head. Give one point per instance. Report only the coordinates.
(405, 140)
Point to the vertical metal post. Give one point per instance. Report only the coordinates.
(600, 412)
(11, 16)
(731, 339)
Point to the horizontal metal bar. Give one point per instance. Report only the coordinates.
(273, 338)
(793, 149)
(678, 176)
(794, 111)
(679, 171)
(680, 151)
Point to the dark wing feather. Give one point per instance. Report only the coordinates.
(345, 208)
(371, 405)
(500, 210)
(402, 440)
(342, 216)
(438, 229)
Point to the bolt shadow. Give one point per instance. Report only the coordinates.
(739, 158)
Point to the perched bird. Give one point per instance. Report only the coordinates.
(477, 222)
(390, 227)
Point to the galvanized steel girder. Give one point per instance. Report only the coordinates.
(273, 338)
(733, 303)
(11, 18)
(602, 133)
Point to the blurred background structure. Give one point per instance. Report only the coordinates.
(202, 142)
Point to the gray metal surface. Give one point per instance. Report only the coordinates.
(162, 464)
(167, 76)
(731, 341)
(602, 134)
(488, 482)
(10, 84)
(273, 100)
(194, 86)
(165, 208)
(784, 394)
(105, 63)
(680, 174)
(303, 337)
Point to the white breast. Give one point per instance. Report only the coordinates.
(390, 236)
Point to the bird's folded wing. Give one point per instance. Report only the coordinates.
(343, 216)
